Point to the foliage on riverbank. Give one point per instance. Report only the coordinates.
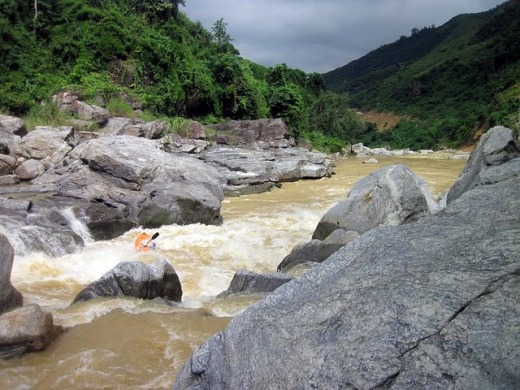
(127, 54)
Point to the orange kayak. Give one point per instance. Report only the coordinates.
(141, 241)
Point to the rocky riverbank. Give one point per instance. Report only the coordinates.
(428, 301)
(130, 173)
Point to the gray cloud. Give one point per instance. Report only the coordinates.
(321, 35)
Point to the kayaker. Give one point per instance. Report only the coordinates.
(144, 242)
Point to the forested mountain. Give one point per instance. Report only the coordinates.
(146, 53)
(451, 79)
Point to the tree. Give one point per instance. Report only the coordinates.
(221, 37)
(157, 9)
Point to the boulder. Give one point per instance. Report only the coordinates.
(47, 143)
(30, 169)
(134, 127)
(90, 112)
(247, 282)
(430, 304)
(122, 182)
(316, 251)
(12, 130)
(7, 164)
(196, 131)
(249, 132)
(246, 167)
(64, 100)
(391, 195)
(27, 329)
(12, 125)
(495, 147)
(136, 279)
(10, 297)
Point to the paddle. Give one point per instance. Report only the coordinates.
(151, 239)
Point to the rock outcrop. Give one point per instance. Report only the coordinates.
(136, 279)
(391, 195)
(27, 329)
(118, 178)
(247, 169)
(274, 132)
(430, 304)
(10, 297)
(495, 148)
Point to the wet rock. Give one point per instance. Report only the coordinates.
(247, 282)
(26, 329)
(130, 180)
(391, 195)
(430, 304)
(38, 222)
(316, 251)
(136, 279)
(10, 297)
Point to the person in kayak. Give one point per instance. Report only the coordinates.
(144, 242)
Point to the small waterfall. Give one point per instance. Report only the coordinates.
(51, 239)
(77, 226)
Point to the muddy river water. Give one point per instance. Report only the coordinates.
(130, 343)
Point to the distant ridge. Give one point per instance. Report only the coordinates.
(463, 74)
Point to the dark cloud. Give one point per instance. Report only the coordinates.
(321, 35)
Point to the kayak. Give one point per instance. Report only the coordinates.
(141, 243)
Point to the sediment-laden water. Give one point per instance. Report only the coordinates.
(130, 343)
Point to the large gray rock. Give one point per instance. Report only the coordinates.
(249, 132)
(134, 127)
(495, 147)
(247, 282)
(47, 143)
(247, 167)
(432, 304)
(123, 181)
(10, 297)
(391, 195)
(136, 279)
(27, 329)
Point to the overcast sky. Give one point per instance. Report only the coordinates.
(322, 35)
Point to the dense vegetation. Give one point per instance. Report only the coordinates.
(147, 54)
(150, 55)
(451, 80)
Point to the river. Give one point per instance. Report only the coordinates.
(130, 343)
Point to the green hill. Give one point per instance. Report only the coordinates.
(142, 53)
(452, 79)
